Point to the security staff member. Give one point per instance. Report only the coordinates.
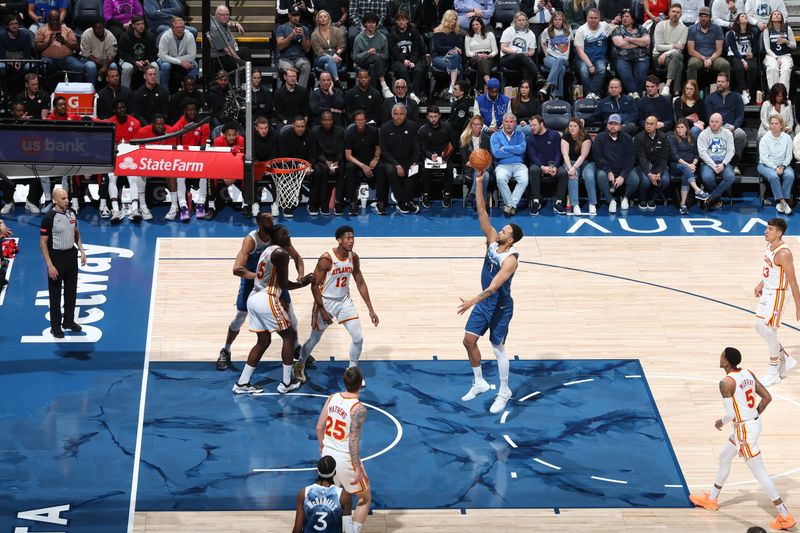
(58, 237)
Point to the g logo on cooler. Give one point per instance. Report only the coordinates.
(128, 164)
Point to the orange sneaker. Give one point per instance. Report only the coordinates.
(783, 522)
(704, 500)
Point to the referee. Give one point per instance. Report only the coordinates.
(58, 237)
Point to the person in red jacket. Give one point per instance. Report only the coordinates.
(196, 137)
(228, 138)
(126, 126)
(156, 128)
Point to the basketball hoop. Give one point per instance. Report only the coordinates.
(288, 174)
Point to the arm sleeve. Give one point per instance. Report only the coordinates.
(730, 414)
(792, 42)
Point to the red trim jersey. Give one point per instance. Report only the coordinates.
(338, 422)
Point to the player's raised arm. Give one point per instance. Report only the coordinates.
(299, 512)
(480, 204)
(784, 259)
(362, 288)
(280, 258)
(507, 270)
(298, 261)
(324, 264)
(240, 264)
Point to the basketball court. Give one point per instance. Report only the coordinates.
(615, 346)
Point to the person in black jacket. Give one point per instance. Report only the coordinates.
(261, 102)
(407, 51)
(399, 140)
(151, 98)
(362, 151)
(400, 97)
(460, 106)
(364, 97)
(112, 92)
(329, 141)
(652, 158)
(137, 50)
(327, 97)
(265, 148)
(188, 90)
(430, 14)
(437, 143)
(291, 99)
(296, 142)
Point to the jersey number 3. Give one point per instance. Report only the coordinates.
(338, 428)
(751, 401)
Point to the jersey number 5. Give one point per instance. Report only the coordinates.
(338, 428)
(751, 401)
(262, 269)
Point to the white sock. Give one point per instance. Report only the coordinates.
(352, 363)
(782, 510)
(756, 466)
(353, 327)
(212, 204)
(115, 205)
(357, 527)
(103, 203)
(310, 344)
(181, 192)
(287, 373)
(725, 459)
(478, 373)
(247, 373)
(502, 364)
(227, 347)
(173, 198)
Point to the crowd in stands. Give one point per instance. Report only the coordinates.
(626, 98)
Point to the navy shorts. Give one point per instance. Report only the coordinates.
(245, 288)
(494, 317)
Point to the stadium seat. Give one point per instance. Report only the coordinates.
(556, 114)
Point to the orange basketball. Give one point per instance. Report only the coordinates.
(480, 159)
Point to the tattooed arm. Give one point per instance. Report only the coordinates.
(357, 416)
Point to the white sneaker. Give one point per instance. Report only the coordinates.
(593, 96)
(746, 98)
(624, 204)
(283, 388)
(414, 97)
(7, 208)
(612, 206)
(779, 207)
(32, 208)
(172, 214)
(256, 209)
(592, 209)
(478, 387)
(146, 214)
(635, 96)
(665, 90)
(737, 170)
(500, 402)
(576, 210)
(116, 216)
(788, 363)
(770, 379)
(786, 209)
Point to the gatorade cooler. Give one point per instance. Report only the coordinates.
(81, 98)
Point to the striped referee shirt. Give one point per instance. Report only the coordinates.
(59, 228)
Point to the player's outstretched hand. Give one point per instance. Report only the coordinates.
(326, 316)
(307, 279)
(478, 178)
(718, 424)
(465, 304)
(374, 317)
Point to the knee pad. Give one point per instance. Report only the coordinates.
(238, 320)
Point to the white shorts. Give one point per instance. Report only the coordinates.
(345, 473)
(745, 437)
(770, 306)
(266, 313)
(342, 310)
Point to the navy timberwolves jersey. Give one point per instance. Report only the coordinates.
(491, 266)
(260, 246)
(323, 512)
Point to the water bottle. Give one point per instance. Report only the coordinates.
(363, 195)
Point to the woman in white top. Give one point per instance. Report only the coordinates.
(776, 104)
(774, 163)
(778, 45)
(556, 41)
(518, 47)
(480, 47)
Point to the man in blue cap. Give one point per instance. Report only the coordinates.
(615, 155)
(492, 106)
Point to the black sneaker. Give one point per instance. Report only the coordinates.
(651, 205)
(58, 333)
(294, 384)
(247, 211)
(425, 201)
(536, 206)
(354, 209)
(73, 327)
(313, 211)
(447, 201)
(325, 211)
(403, 208)
(224, 359)
(642, 205)
(380, 208)
(338, 210)
(559, 208)
(210, 214)
(412, 208)
(288, 212)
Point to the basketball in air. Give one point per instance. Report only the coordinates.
(480, 159)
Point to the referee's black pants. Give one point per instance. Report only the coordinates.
(66, 263)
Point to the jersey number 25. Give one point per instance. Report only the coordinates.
(337, 432)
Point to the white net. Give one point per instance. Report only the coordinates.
(288, 175)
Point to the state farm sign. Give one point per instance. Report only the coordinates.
(158, 161)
